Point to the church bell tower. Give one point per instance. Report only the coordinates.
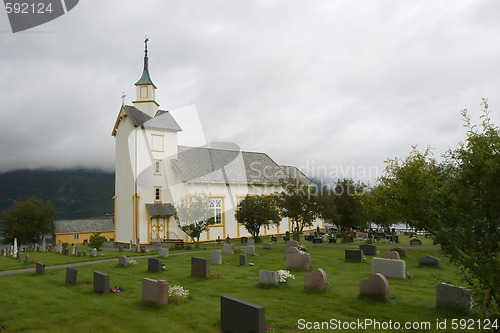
(145, 89)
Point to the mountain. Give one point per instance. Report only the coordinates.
(75, 193)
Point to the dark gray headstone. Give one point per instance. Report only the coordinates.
(40, 268)
(429, 261)
(84, 253)
(415, 241)
(244, 240)
(71, 274)
(155, 265)
(66, 251)
(200, 267)
(355, 255)
(368, 249)
(101, 283)
(243, 260)
(237, 315)
(317, 240)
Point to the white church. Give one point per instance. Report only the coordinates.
(153, 171)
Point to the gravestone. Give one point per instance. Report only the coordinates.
(251, 241)
(131, 244)
(228, 248)
(362, 235)
(391, 255)
(267, 246)
(216, 257)
(155, 291)
(291, 250)
(325, 238)
(59, 247)
(292, 243)
(316, 280)
(155, 265)
(20, 256)
(79, 253)
(274, 239)
(40, 268)
(14, 248)
(84, 253)
(268, 277)
(123, 261)
(101, 282)
(402, 252)
(200, 267)
(3, 253)
(249, 250)
(66, 252)
(453, 297)
(36, 248)
(429, 261)
(298, 261)
(244, 240)
(390, 268)
(415, 241)
(317, 240)
(43, 244)
(73, 251)
(71, 274)
(164, 252)
(354, 255)
(243, 260)
(27, 259)
(368, 249)
(237, 315)
(93, 252)
(376, 286)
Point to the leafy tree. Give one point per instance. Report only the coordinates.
(457, 201)
(27, 221)
(350, 211)
(256, 211)
(96, 240)
(193, 215)
(299, 203)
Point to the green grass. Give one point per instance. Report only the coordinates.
(44, 303)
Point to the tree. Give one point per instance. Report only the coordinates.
(256, 211)
(96, 240)
(27, 221)
(193, 215)
(298, 202)
(457, 201)
(349, 211)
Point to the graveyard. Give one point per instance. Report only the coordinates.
(46, 302)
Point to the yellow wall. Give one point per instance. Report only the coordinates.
(82, 236)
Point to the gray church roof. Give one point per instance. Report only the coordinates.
(163, 120)
(84, 225)
(208, 165)
(294, 172)
(160, 209)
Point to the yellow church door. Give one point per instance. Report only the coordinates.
(158, 228)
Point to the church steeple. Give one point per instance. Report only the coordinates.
(145, 78)
(145, 99)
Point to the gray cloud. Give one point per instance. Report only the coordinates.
(332, 84)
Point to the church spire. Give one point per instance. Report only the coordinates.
(145, 78)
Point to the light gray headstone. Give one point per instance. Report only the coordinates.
(27, 259)
(228, 248)
(249, 250)
(390, 268)
(450, 296)
(216, 257)
(251, 241)
(123, 261)
(293, 243)
(267, 246)
(163, 252)
(429, 261)
(268, 277)
(93, 252)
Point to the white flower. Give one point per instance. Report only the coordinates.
(177, 294)
(284, 275)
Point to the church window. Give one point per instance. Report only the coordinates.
(157, 167)
(144, 92)
(76, 236)
(216, 208)
(156, 142)
(157, 194)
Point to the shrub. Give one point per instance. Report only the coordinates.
(96, 240)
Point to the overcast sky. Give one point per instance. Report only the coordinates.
(329, 86)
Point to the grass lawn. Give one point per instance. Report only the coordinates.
(31, 303)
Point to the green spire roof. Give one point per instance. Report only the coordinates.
(145, 78)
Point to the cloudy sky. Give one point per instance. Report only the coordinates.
(334, 87)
